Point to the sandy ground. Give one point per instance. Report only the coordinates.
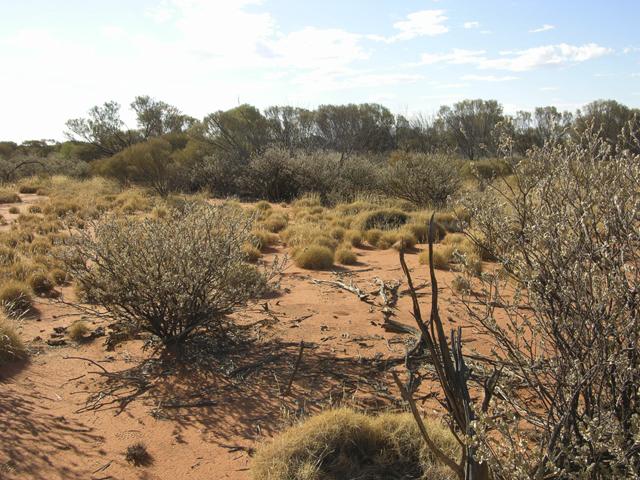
(202, 422)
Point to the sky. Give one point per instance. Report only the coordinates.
(58, 59)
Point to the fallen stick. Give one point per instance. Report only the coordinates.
(362, 296)
(295, 369)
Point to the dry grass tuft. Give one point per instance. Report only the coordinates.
(40, 283)
(9, 196)
(16, 297)
(313, 257)
(138, 455)
(346, 256)
(343, 444)
(78, 331)
(441, 256)
(11, 346)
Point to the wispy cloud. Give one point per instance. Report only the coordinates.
(423, 23)
(489, 78)
(469, 25)
(544, 28)
(521, 60)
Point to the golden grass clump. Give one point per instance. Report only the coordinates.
(9, 196)
(14, 210)
(343, 444)
(78, 331)
(372, 236)
(354, 237)
(7, 255)
(251, 252)
(441, 256)
(313, 257)
(405, 240)
(345, 256)
(16, 297)
(337, 233)
(264, 239)
(275, 223)
(11, 346)
(58, 276)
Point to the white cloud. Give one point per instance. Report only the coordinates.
(423, 23)
(549, 89)
(489, 78)
(469, 25)
(522, 60)
(635, 74)
(544, 28)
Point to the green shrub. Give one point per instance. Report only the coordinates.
(16, 297)
(313, 257)
(343, 444)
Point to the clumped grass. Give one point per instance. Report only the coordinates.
(11, 346)
(383, 219)
(40, 283)
(16, 297)
(251, 252)
(275, 223)
(9, 196)
(343, 444)
(354, 237)
(27, 188)
(337, 233)
(264, 239)
(441, 256)
(7, 255)
(14, 210)
(313, 257)
(138, 455)
(405, 240)
(345, 256)
(77, 331)
(372, 236)
(58, 276)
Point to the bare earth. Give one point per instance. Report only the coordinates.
(201, 423)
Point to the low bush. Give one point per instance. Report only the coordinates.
(263, 239)
(58, 276)
(354, 237)
(313, 257)
(11, 346)
(16, 297)
(345, 256)
(372, 236)
(343, 444)
(275, 223)
(170, 276)
(29, 189)
(405, 240)
(14, 210)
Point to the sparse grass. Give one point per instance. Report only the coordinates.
(343, 444)
(441, 256)
(78, 331)
(461, 284)
(345, 256)
(138, 455)
(16, 297)
(11, 346)
(313, 257)
(252, 252)
(35, 209)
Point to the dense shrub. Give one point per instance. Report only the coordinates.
(424, 180)
(168, 276)
(383, 219)
(343, 444)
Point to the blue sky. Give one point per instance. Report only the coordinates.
(60, 58)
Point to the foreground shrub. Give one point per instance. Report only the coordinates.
(168, 276)
(11, 346)
(313, 257)
(343, 444)
(16, 297)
